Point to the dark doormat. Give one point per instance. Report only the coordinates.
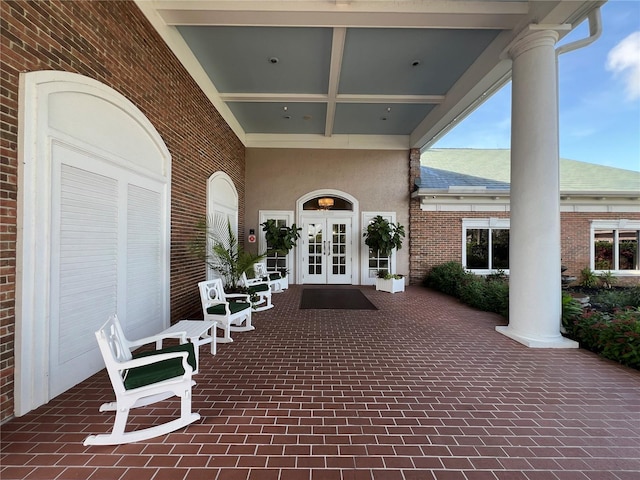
(335, 298)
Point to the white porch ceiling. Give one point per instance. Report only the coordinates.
(349, 73)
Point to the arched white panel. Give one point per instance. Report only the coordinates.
(93, 236)
(222, 206)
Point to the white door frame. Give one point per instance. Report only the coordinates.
(355, 227)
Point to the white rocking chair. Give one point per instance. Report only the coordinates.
(142, 381)
(275, 280)
(260, 289)
(230, 315)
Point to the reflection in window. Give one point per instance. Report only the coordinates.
(485, 254)
(616, 249)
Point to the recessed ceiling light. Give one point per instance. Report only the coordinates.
(307, 117)
(273, 60)
(287, 117)
(415, 63)
(383, 118)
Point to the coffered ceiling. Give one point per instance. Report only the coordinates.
(349, 73)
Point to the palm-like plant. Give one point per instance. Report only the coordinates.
(222, 253)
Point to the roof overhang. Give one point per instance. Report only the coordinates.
(341, 73)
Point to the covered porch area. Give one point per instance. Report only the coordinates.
(421, 388)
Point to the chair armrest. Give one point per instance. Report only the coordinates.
(182, 336)
(238, 295)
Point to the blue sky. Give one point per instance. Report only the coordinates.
(599, 90)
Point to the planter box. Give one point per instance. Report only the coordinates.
(392, 285)
(284, 282)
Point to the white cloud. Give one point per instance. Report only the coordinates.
(624, 59)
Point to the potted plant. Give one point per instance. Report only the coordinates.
(223, 254)
(382, 237)
(389, 282)
(280, 240)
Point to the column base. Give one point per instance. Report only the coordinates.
(532, 342)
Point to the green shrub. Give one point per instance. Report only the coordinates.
(588, 278)
(571, 310)
(497, 296)
(610, 300)
(490, 294)
(472, 292)
(446, 278)
(620, 340)
(615, 336)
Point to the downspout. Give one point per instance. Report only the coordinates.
(595, 30)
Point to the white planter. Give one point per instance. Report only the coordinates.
(391, 285)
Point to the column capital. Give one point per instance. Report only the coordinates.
(529, 39)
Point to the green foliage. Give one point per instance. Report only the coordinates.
(571, 310)
(223, 254)
(388, 276)
(446, 278)
(382, 236)
(607, 279)
(490, 294)
(588, 278)
(280, 239)
(615, 336)
(487, 294)
(610, 300)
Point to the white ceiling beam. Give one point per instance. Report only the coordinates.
(341, 19)
(275, 97)
(424, 99)
(356, 13)
(348, 142)
(330, 98)
(337, 52)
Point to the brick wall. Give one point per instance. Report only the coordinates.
(436, 238)
(112, 42)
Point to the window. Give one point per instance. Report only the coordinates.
(615, 246)
(485, 244)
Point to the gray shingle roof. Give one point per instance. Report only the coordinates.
(443, 168)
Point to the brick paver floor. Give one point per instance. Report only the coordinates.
(422, 388)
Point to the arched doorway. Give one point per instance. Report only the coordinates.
(328, 249)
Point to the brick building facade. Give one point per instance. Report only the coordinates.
(111, 42)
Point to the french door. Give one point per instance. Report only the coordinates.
(326, 250)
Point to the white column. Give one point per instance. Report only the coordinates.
(535, 304)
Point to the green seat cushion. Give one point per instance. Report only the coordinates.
(157, 372)
(261, 287)
(274, 276)
(235, 307)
